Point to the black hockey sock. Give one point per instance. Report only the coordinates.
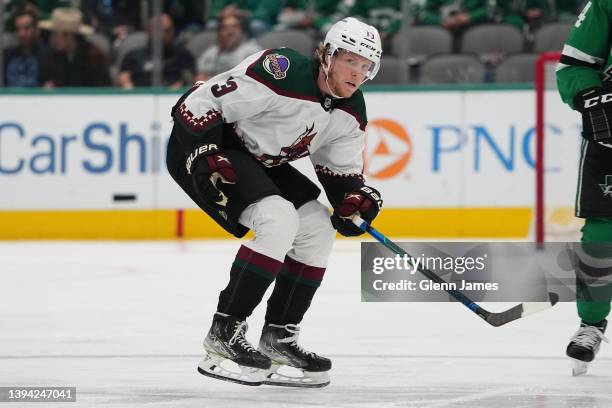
(250, 276)
(600, 325)
(294, 289)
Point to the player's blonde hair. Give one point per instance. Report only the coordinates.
(321, 50)
(319, 53)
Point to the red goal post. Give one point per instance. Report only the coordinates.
(540, 87)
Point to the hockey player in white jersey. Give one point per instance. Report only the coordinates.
(230, 148)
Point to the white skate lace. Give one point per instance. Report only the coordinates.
(292, 340)
(241, 328)
(589, 336)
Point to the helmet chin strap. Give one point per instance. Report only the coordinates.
(326, 74)
(330, 89)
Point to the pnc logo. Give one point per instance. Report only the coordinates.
(388, 149)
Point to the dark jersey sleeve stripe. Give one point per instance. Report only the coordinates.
(567, 60)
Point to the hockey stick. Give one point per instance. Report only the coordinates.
(494, 319)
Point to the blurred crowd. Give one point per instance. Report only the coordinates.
(90, 43)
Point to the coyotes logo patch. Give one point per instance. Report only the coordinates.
(276, 65)
(299, 148)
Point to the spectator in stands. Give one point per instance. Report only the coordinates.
(261, 14)
(72, 61)
(522, 14)
(308, 14)
(12, 7)
(385, 15)
(513, 12)
(455, 15)
(22, 62)
(178, 65)
(544, 11)
(566, 10)
(46, 7)
(42, 8)
(188, 15)
(232, 47)
(536, 13)
(114, 19)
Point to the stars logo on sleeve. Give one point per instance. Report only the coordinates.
(606, 187)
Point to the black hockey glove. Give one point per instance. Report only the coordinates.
(595, 104)
(366, 201)
(210, 169)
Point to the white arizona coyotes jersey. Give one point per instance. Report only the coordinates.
(280, 115)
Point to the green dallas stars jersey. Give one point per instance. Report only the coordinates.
(586, 61)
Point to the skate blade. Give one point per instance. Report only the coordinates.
(579, 367)
(224, 369)
(295, 377)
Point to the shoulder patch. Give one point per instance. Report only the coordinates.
(286, 72)
(276, 65)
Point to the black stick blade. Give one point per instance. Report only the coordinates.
(521, 310)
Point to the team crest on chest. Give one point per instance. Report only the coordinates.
(276, 65)
(299, 148)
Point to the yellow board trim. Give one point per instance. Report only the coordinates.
(163, 224)
(455, 222)
(83, 224)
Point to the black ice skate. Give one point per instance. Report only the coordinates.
(584, 345)
(292, 366)
(229, 355)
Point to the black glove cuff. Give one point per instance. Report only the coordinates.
(198, 152)
(595, 104)
(593, 99)
(596, 124)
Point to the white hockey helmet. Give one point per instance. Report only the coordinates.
(355, 36)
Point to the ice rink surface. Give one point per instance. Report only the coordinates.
(123, 322)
